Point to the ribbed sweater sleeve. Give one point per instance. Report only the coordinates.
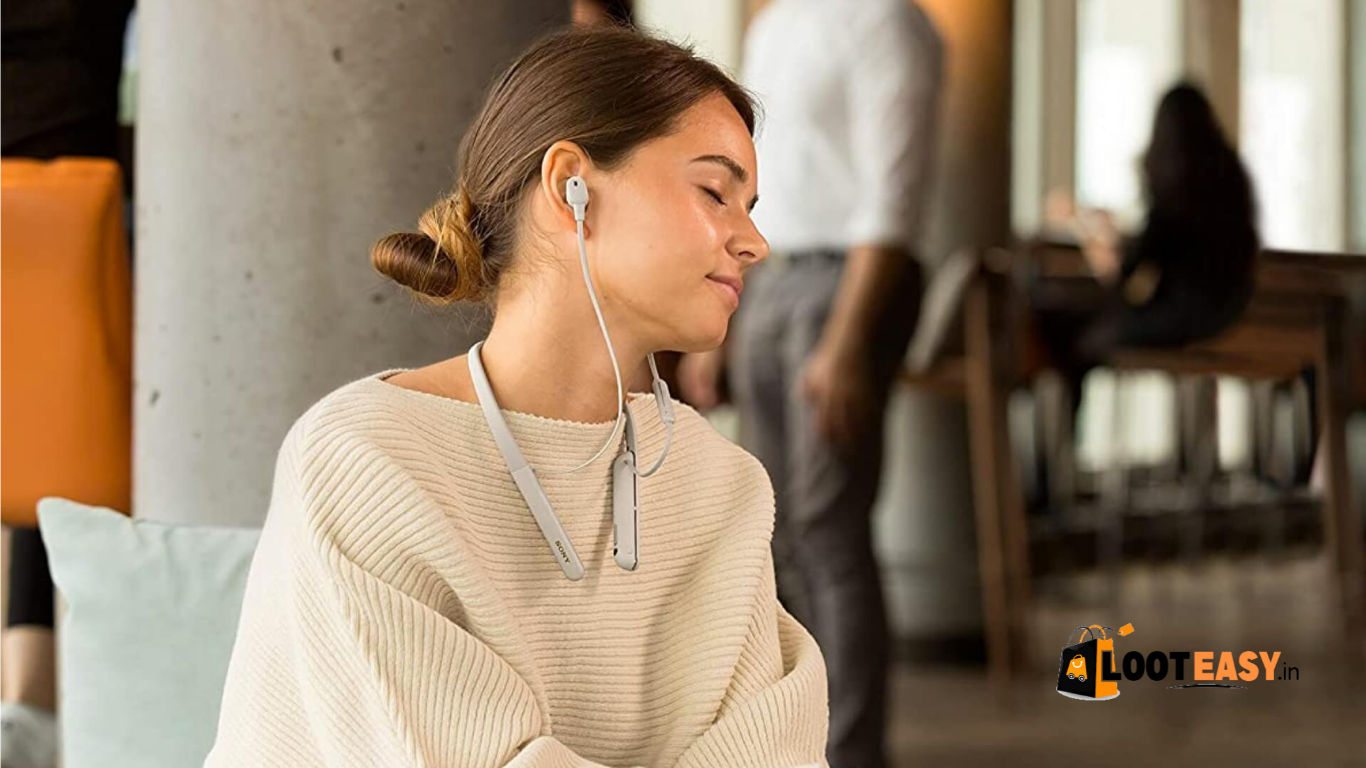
(775, 710)
(383, 679)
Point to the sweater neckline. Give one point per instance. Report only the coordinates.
(513, 417)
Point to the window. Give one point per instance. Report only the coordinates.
(1293, 120)
(1128, 54)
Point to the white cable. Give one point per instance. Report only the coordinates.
(616, 371)
(668, 439)
(576, 194)
(666, 413)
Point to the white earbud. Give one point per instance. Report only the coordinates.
(576, 194)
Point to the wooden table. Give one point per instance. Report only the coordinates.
(1298, 318)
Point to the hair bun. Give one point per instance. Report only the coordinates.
(442, 263)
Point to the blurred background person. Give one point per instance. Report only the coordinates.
(824, 324)
(1188, 274)
(620, 12)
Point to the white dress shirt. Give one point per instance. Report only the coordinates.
(848, 91)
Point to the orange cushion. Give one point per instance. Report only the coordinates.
(66, 336)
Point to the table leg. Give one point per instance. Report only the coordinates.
(1341, 516)
(1002, 541)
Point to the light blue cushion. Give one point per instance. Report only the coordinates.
(151, 614)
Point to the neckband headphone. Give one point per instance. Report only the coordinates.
(625, 484)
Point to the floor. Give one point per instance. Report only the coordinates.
(948, 716)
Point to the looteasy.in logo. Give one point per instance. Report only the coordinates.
(1089, 669)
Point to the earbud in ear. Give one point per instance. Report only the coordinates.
(576, 194)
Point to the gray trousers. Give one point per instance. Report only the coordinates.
(827, 575)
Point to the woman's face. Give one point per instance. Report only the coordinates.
(671, 227)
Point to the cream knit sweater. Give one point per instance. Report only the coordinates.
(403, 609)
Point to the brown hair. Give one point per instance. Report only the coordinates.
(606, 89)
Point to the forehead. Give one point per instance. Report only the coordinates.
(711, 127)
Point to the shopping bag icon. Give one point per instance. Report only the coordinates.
(1079, 673)
(1077, 669)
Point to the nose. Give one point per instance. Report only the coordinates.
(749, 245)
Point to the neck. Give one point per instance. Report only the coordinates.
(549, 358)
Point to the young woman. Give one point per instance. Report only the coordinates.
(409, 603)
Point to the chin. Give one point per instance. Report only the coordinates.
(699, 326)
(718, 338)
(702, 339)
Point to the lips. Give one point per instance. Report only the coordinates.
(732, 287)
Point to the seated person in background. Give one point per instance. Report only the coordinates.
(1188, 274)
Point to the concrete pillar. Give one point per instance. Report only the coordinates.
(924, 525)
(276, 142)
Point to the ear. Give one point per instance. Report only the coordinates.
(561, 161)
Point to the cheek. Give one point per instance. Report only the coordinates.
(665, 287)
(664, 252)
(668, 280)
(681, 221)
(668, 252)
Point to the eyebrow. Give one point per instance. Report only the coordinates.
(736, 170)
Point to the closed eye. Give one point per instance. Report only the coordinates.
(720, 200)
